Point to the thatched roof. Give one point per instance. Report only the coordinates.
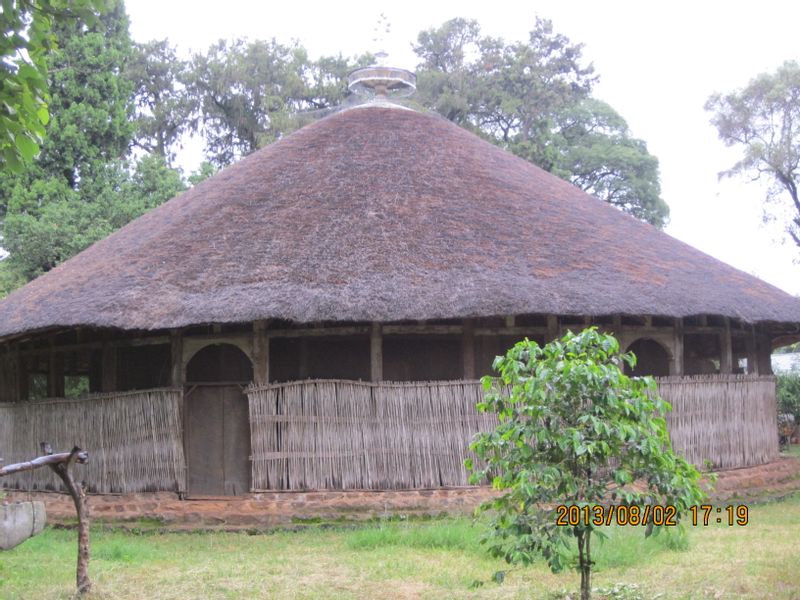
(383, 214)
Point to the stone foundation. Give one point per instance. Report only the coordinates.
(266, 510)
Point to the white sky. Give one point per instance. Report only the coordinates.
(657, 62)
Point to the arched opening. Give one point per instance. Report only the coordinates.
(651, 359)
(217, 422)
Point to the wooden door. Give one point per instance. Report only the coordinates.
(217, 422)
(218, 441)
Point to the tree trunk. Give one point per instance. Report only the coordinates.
(586, 568)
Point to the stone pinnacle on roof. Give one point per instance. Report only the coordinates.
(382, 81)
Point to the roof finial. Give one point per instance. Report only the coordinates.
(380, 80)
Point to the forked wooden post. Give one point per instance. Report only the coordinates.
(64, 471)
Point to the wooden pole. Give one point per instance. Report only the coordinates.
(726, 349)
(55, 375)
(109, 368)
(260, 353)
(468, 349)
(552, 328)
(676, 365)
(376, 352)
(752, 354)
(176, 358)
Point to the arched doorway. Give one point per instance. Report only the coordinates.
(651, 359)
(217, 422)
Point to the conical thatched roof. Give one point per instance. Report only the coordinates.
(384, 214)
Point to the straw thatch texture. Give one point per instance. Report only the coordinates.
(353, 435)
(134, 440)
(379, 214)
(730, 420)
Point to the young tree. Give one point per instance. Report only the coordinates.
(574, 430)
(533, 98)
(764, 120)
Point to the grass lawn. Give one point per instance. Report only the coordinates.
(440, 558)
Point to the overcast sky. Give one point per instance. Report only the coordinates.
(657, 62)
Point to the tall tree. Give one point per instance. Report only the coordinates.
(164, 108)
(534, 99)
(81, 187)
(24, 46)
(249, 92)
(763, 119)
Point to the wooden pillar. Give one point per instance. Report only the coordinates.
(376, 352)
(109, 383)
(468, 349)
(55, 375)
(764, 354)
(726, 349)
(676, 364)
(552, 328)
(752, 353)
(176, 377)
(260, 353)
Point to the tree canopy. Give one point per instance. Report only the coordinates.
(534, 99)
(763, 120)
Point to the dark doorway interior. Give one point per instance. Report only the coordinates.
(651, 357)
(217, 422)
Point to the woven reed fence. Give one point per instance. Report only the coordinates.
(354, 435)
(134, 440)
(730, 420)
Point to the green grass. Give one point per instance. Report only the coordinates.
(440, 558)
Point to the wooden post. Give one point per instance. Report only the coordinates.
(55, 375)
(676, 365)
(552, 328)
(376, 352)
(752, 353)
(764, 354)
(726, 349)
(109, 368)
(176, 378)
(260, 353)
(468, 349)
(76, 491)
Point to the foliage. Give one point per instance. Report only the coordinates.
(164, 108)
(24, 47)
(247, 93)
(81, 187)
(788, 349)
(71, 220)
(763, 119)
(567, 412)
(534, 99)
(789, 394)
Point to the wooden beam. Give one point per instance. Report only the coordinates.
(468, 349)
(519, 332)
(676, 366)
(176, 358)
(260, 353)
(109, 368)
(726, 349)
(510, 321)
(319, 332)
(376, 352)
